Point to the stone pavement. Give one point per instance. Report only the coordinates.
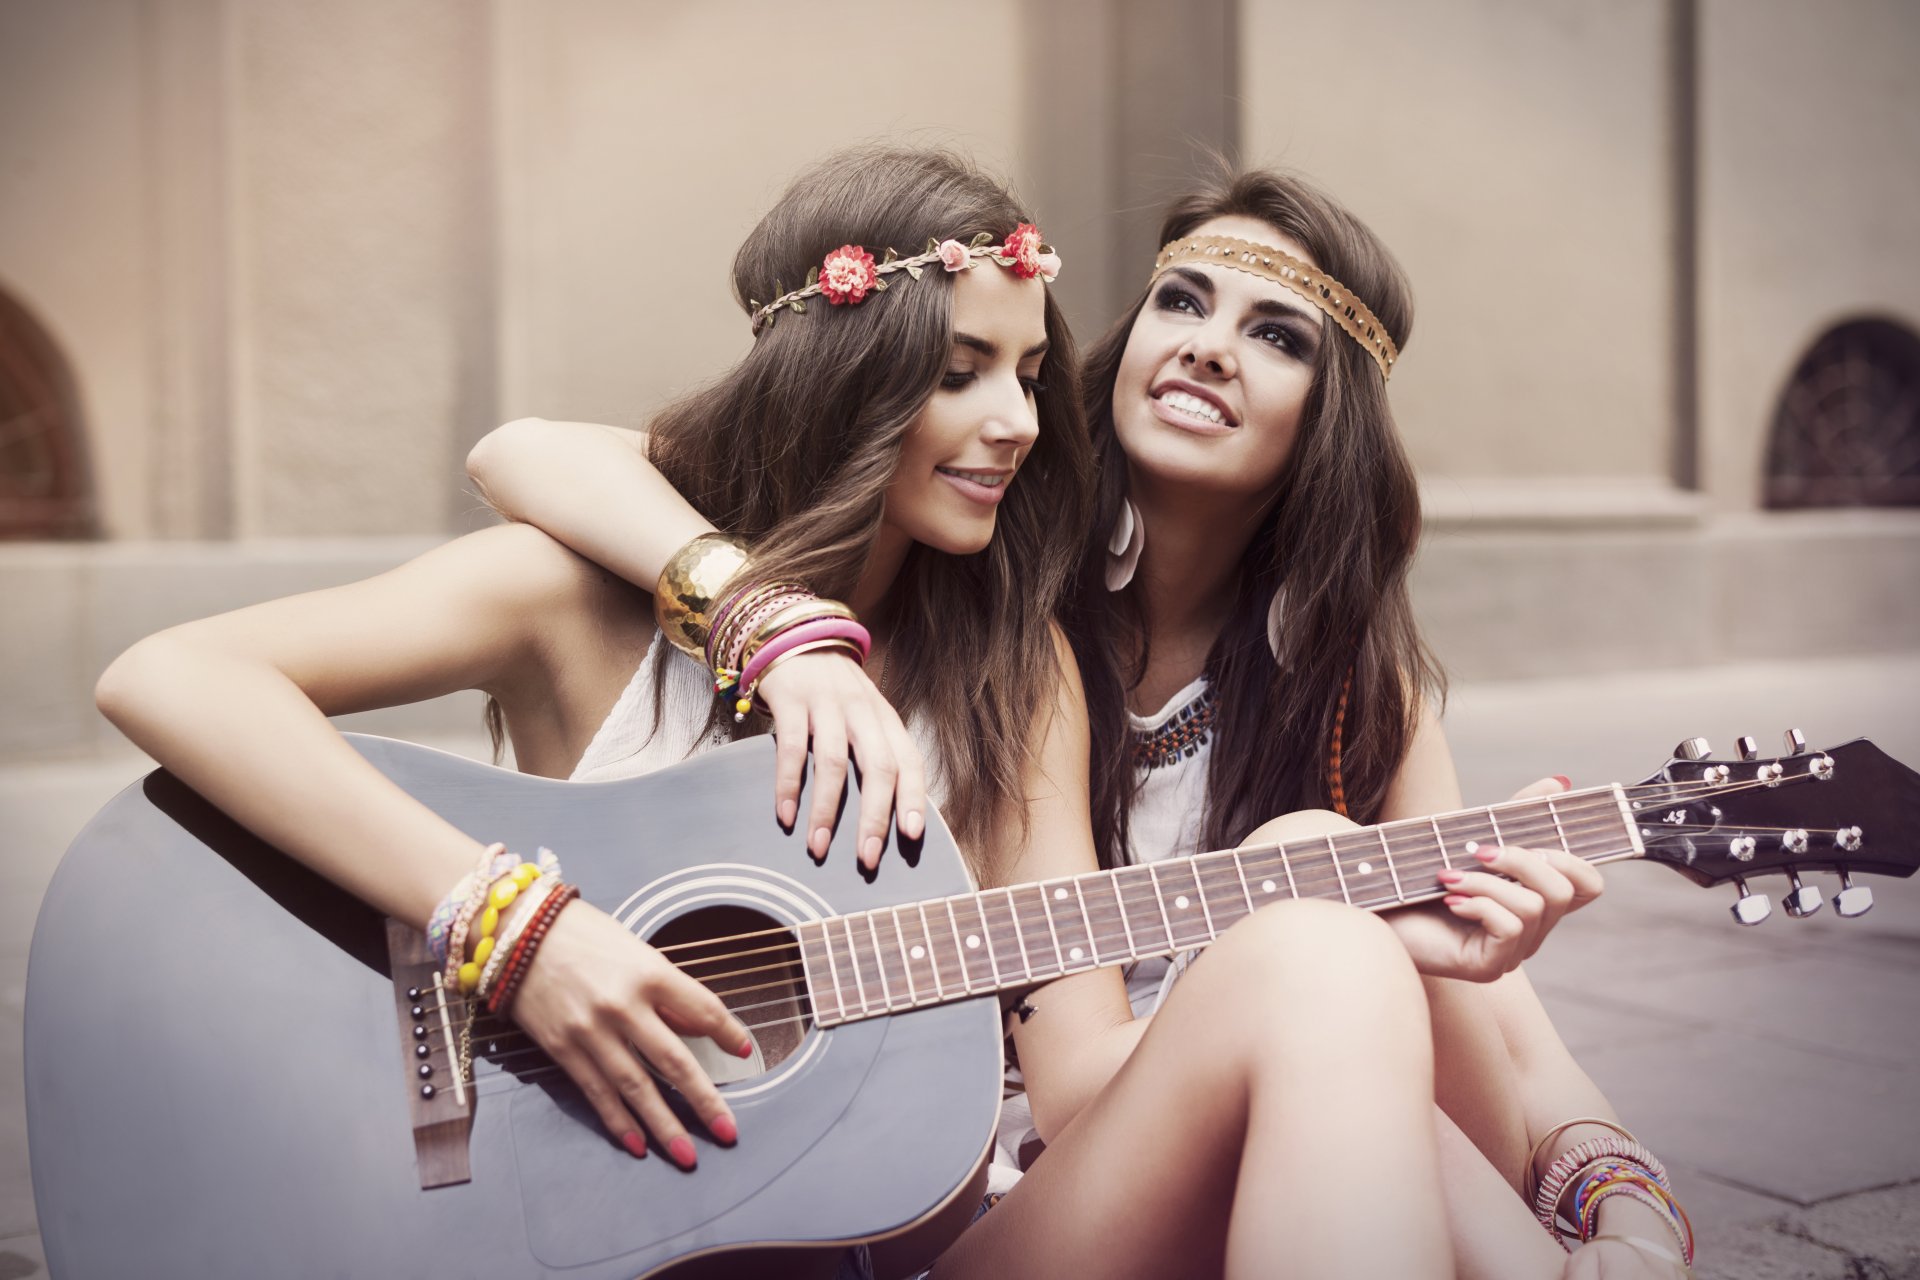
(1767, 1065)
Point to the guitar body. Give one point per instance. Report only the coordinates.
(218, 1085)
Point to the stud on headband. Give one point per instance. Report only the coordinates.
(848, 274)
(1311, 283)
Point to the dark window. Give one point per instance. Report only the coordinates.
(1847, 433)
(44, 487)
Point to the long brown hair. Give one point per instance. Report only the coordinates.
(794, 447)
(1339, 536)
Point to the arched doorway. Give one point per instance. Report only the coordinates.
(1847, 430)
(45, 487)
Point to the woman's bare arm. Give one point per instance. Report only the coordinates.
(593, 488)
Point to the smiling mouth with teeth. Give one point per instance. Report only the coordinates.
(1194, 406)
(991, 479)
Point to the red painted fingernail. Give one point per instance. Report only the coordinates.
(723, 1128)
(1454, 899)
(681, 1149)
(1449, 877)
(1566, 783)
(635, 1143)
(1487, 853)
(745, 1050)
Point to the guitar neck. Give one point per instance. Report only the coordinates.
(892, 959)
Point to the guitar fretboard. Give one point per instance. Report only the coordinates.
(896, 958)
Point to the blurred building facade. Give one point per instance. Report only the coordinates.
(267, 269)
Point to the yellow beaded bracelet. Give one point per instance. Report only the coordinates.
(499, 898)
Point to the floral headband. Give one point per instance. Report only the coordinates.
(849, 273)
(1311, 283)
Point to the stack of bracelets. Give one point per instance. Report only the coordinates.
(740, 627)
(1568, 1196)
(484, 961)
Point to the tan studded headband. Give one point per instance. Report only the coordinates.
(1269, 263)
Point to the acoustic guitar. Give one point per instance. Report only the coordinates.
(234, 1069)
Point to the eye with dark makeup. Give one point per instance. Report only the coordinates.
(1172, 297)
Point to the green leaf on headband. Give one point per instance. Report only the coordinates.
(980, 241)
(880, 282)
(914, 271)
(933, 246)
(797, 305)
(753, 304)
(813, 276)
(888, 257)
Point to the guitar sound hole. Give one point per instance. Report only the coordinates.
(752, 962)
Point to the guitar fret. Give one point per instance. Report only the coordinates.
(1019, 933)
(853, 962)
(1086, 916)
(1441, 840)
(1046, 909)
(880, 960)
(1286, 865)
(1160, 898)
(1126, 926)
(906, 962)
(960, 948)
(1200, 891)
(1558, 830)
(818, 935)
(1333, 852)
(933, 958)
(986, 938)
(1386, 856)
(1241, 871)
(1495, 824)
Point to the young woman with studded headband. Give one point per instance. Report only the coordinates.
(1249, 442)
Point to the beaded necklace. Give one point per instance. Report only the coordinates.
(1184, 733)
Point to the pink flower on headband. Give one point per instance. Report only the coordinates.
(1023, 246)
(954, 255)
(1049, 264)
(847, 274)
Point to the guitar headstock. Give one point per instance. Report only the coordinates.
(1852, 810)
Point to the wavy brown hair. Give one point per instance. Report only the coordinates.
(1339, 536)
(794, 447)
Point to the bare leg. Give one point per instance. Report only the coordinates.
(1276, 1120)
(1475, 1080)
(1495, 1236)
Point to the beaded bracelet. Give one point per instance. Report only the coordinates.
(441, 922)
(529, 903)
(1553, 1182)
(501, 998)
(490, 897)
(1533, 1157)
(495, 862)
(1655, 1198)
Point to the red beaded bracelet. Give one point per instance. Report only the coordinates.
(500, 999)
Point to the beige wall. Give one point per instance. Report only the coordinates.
(639, 144)
(1513, 157)
(1809, 201)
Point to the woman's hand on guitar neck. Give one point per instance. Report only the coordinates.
(828, 698)
(1492, 920)
(599, 1001)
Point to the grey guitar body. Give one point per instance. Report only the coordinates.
(217, 1085)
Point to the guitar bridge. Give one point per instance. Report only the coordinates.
(438, 1081)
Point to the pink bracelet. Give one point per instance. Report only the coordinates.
(824, 629)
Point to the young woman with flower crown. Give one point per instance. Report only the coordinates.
(896, 445)
(1242, 622)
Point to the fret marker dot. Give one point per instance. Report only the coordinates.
(1181, 902)
(1075, 954)
(1366, 868)
(1059, 895)
(973, 940)
(1473, 846)
(1266, 886)
(917, 952)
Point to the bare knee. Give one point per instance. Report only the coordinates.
(1330, 943)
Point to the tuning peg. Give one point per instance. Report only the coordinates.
(1803, 899)
(1796, 742)
(1747, 748)
(1853, 899)
(1751, 908)
(1693, 749)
